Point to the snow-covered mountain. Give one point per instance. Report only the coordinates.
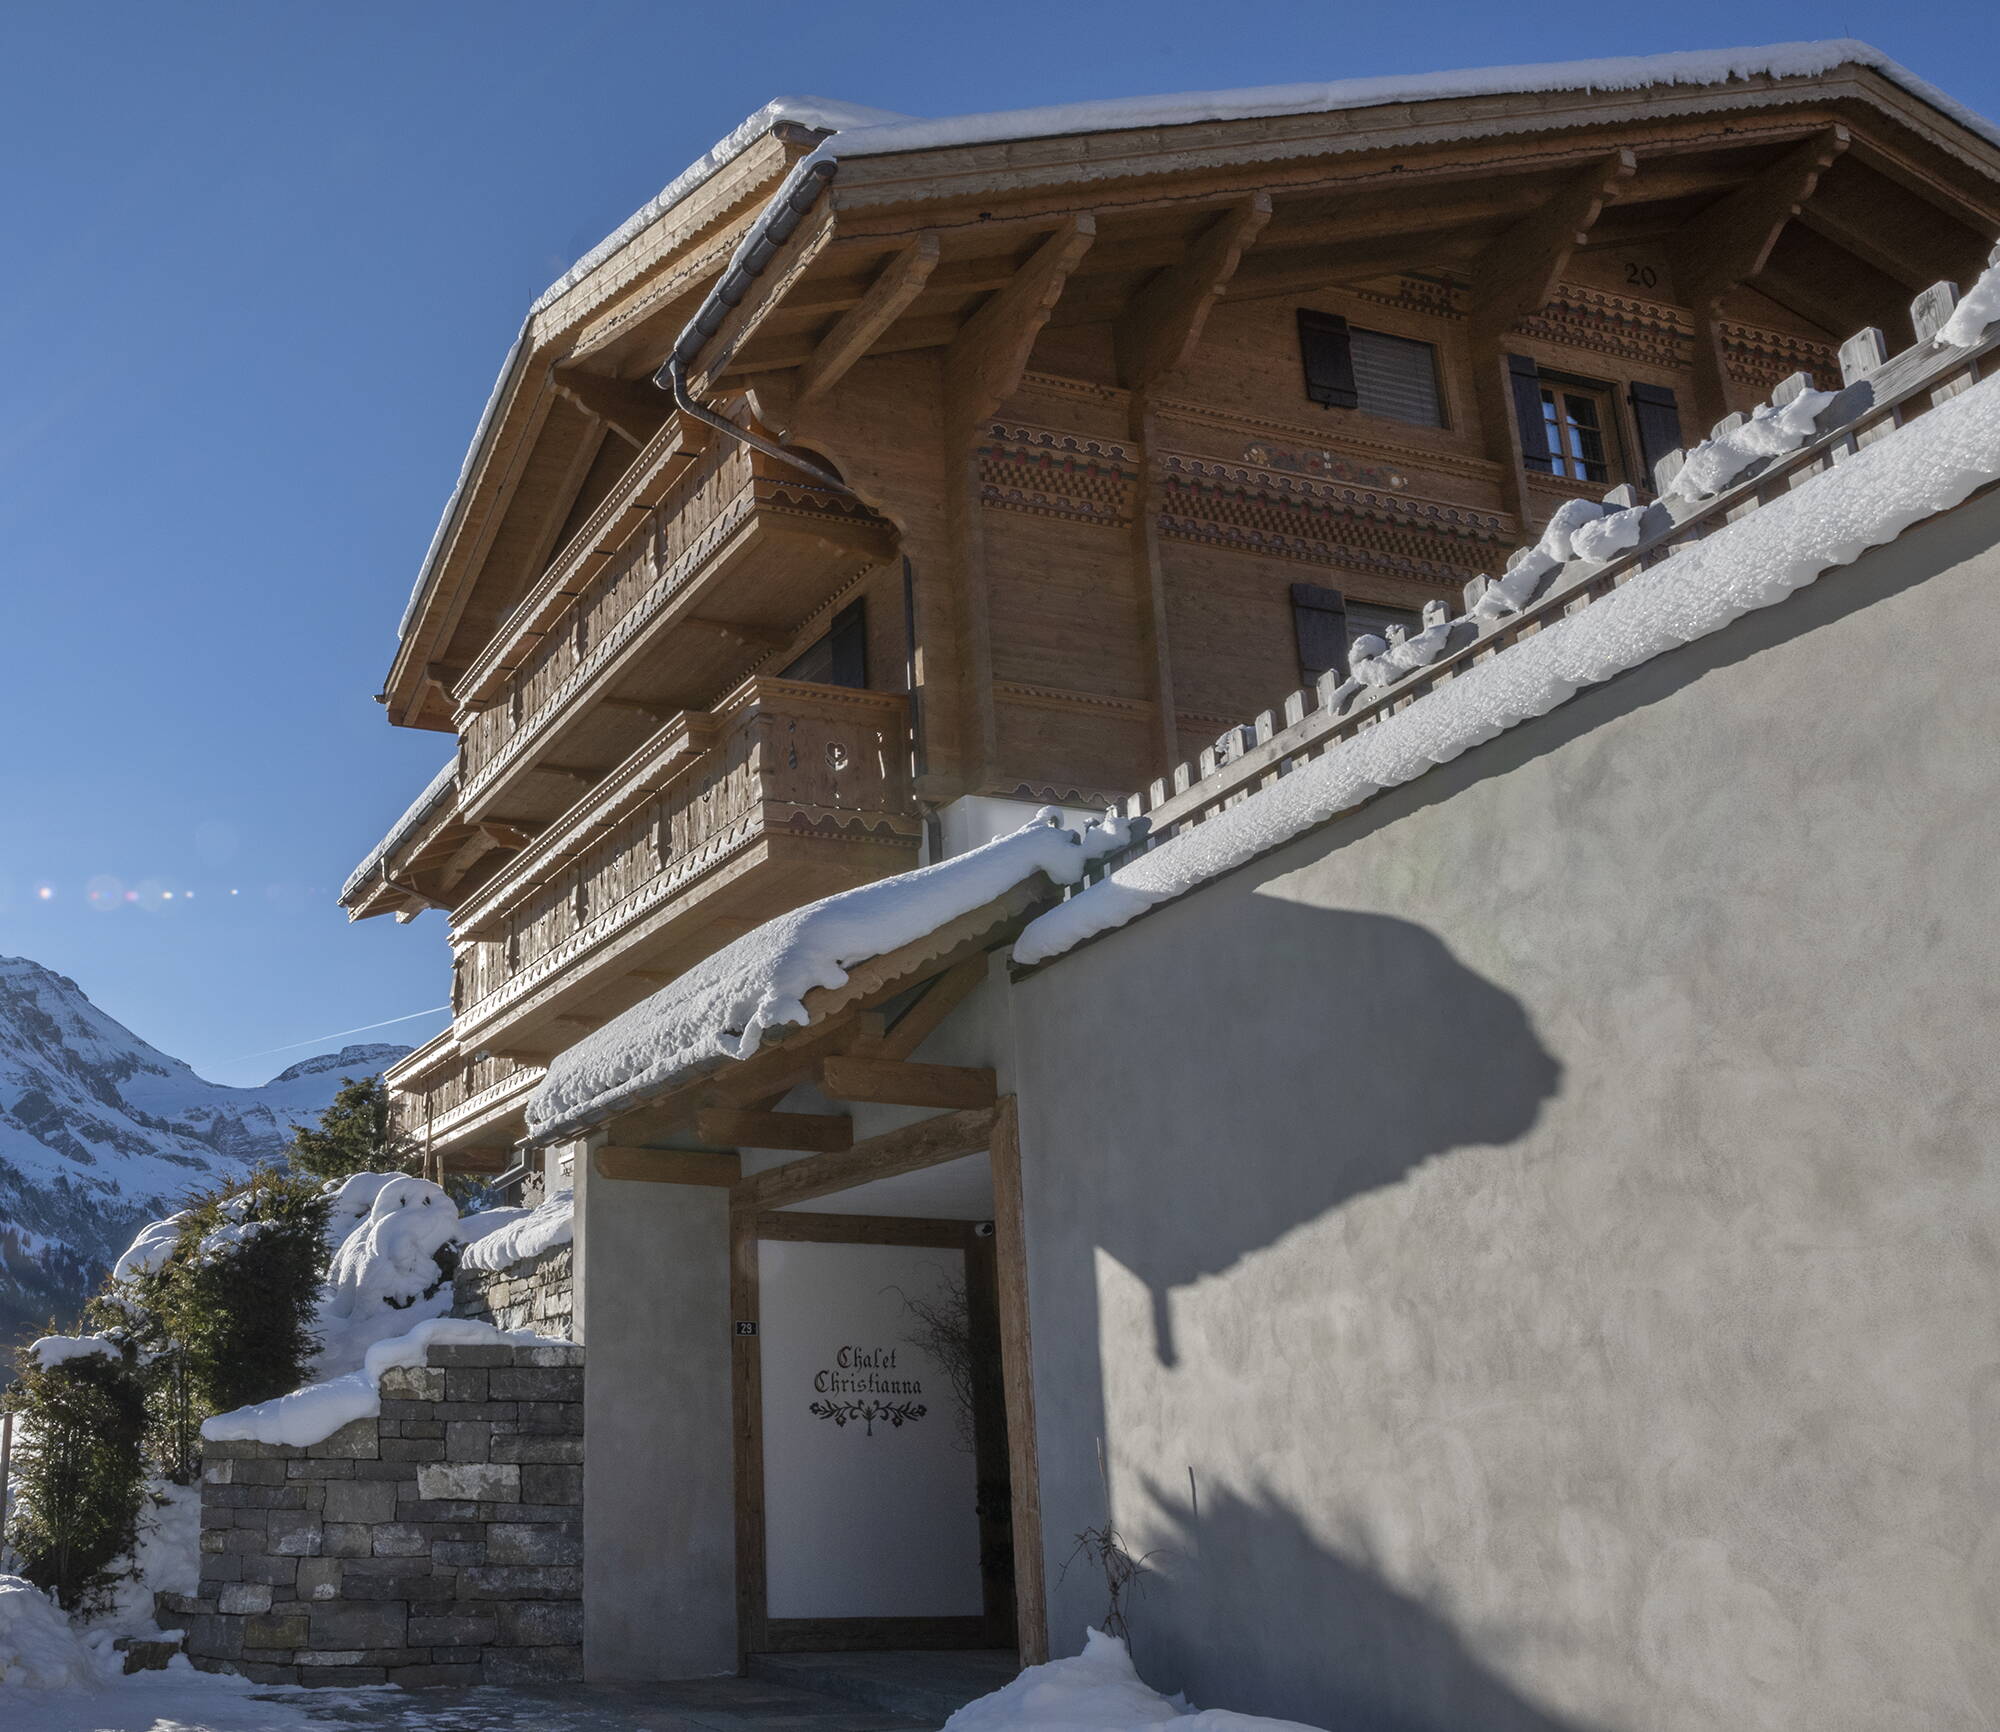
(100, 1132)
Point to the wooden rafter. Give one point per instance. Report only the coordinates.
(666, 1166)
(855, 332)
(1516, 273)
(795, 258)
(1159, 334)
(816, 1133)
(1731, 241)
(990, 352)
(922, 1019)
(894, 1082)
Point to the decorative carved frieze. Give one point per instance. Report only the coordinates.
(1426, 295)
(1284, 516)
(1327, 465)
(1646, 333)
(1760, 359)
(1055, 474)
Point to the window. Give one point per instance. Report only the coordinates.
(1574, 424)
(1326, 623)
(840, 658)
(1345, 368)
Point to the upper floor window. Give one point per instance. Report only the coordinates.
(1379, 374)
(1575, 422)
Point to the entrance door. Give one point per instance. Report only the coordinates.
(880, 1434)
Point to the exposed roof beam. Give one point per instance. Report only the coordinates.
(1515, 274)
(795, 258)
(923, 1144)
(739, 1127)
(856, 331)
(1159, 334)
(990, 353)
(1731, 241)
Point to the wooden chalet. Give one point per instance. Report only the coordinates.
(1011, 460)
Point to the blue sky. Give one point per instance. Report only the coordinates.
(262, 262)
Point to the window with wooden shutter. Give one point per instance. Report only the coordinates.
(1396, 377)
(1372, 618)
(1319, 623)
(1525, 379)
(1327, 350)
(1658, 418)
(840, 658)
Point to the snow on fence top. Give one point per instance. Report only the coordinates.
(1769, 502)
(724, 1006)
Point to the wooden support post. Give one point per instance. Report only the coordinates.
(746, 1392)
(1017, 1374)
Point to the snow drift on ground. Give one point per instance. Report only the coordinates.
(1096, 1691)
(723, 1007)
(386, 1275)
(1926, 466)
(523, 1234)
(38, 1648)
(316, 1412)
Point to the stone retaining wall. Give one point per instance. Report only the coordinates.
(439, 1544)
(532, 1294)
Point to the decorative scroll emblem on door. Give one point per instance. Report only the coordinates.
(858, 1378)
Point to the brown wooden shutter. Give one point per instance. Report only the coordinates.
(1319, 623)
(1526, 379)
(1328, 354)
(1659, 421)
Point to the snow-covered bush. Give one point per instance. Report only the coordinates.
(235, 1299)
(391, 1272)
(38, 1649)
(77, 1470)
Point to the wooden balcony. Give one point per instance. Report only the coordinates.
(464, 1106)
(731, 562)
(786, 792)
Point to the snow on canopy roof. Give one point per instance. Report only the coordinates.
(1630, 72)
(724, 1006)
(400, 832)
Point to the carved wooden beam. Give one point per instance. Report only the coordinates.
(1730, 242)
(926, 1143)
(988, 356)
(855, 332)
(1159, 334)
(634, 409)
(894, 1082)
(1515, 273)
(821, 1133)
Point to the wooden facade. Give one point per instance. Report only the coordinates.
(1109, 439)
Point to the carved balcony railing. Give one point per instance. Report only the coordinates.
(741, 550)
(441, 1099)
(786, 791)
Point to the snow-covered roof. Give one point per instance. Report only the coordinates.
(725, 1006)
(404, 827)
(1628, 72)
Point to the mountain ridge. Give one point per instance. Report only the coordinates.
(101, 1131)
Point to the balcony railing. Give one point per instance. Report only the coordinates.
(810, 770)
(695, 539)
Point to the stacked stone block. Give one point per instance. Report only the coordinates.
(531, 1294)
(439, 1544)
